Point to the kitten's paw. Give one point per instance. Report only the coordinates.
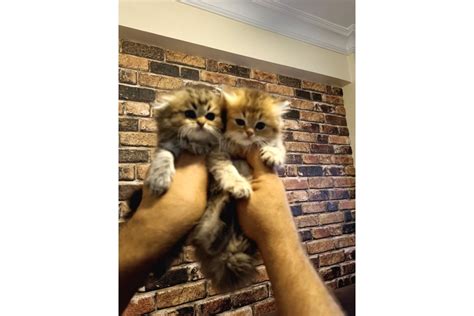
(240, 189)
(159, 182)
(272, 156)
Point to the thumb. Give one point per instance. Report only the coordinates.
(258, 166)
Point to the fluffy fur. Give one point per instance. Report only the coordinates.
(253, 118)
(188, 119)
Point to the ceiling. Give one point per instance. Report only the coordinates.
(325, 23)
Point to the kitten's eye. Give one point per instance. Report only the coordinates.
(240, 122)
(210, 116)
(260, 125)
(190, 114)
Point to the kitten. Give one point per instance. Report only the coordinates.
(188, 119)
(252, 118)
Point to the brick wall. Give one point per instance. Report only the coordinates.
(319, 175)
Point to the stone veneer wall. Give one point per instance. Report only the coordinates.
(319, 175)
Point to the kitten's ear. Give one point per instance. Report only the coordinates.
(228, 94)
(163, 102)
(283, 106)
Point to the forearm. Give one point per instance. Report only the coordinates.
(297, 287)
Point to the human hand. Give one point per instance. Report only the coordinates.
(161, 221)
(266, 214)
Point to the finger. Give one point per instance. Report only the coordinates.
(254, 160)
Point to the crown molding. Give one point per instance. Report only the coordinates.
(277, 17)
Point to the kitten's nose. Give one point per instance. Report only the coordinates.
(201, 121)
(249, 132)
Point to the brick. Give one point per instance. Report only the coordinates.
(330, 273)
(288, 81)
(302, 94)
(148, 125)
(126, 172)
(136, 94)
(128, 124)
(140, 304)
(331, 284)
(348, 228)
(250, 84)
(328, 129)
(341, 140)
(326, 108)
(120, 108)
(349, 170)
(234, 70)
(319, 246)
(295, 183)
(312, 116)
(188, 73)
(337, 91)
(138, 139)
(180, 294)
(334, 171)
(249, 295)
(212, 65)
(302, 104)
(326, 231)
(296, 210)
(303, 136)
(347, 205)
(348, 268)
(309, 127)
(291, 125)
(291, 171)
(336, 120)
(343, 131)
(142, 170)
(137, 108)
(310, 171)
(339, 194)
(317, 159)
(313, 86)
(184, 59)
(320, 182)
(262, 275)
(265, 307)
(333, 99)
(133, 62)
(330, 218)
(342, 150)
(297, 147)
(127, 76)
(218, 78)
(292, 114)
(322, 139)
(133, 155)
(350, 254)
(344, 182)
(126, 190)
(316, 96)
(142, 50)
(307, 221)
(263, 76)
(328, 259)
(343, 160)
(295, 196)
(341, 110)
(172, 277)
(318, 195)
(348, 216)
(213, 305)
(322, 148)
(164, 69)
(305, 235)
(345, 241)
(332, 206)
(293, 159)
(313, 207)
(159, 82)
(244, 311)
(278, 89)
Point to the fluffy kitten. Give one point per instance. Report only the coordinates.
(252, 118)
(188, 119)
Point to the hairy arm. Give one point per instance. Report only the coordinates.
(298, 288)
(159, 223)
